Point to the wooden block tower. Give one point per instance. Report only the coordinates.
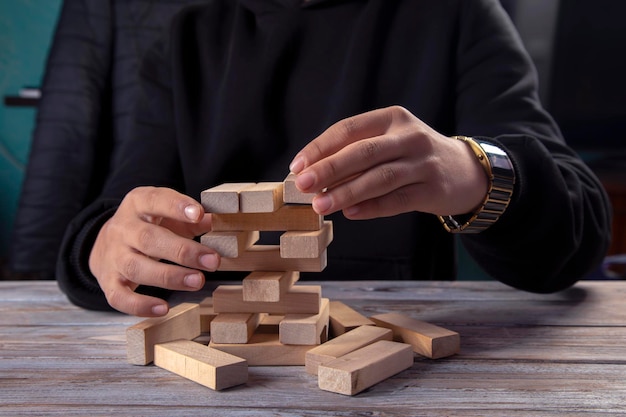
(296, 315)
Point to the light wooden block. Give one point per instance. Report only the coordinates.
(207, 314)
(304, 299)
(344, 344)
(270, 323)
(304, 244)
(264, 197)
(291, 194)
(230, 244)
(365, 367)
(223, 198)
(181, 322)
(212, 368)
(234, 327)
(427, 339)
(268, 286)
(267, 258)
(287, 217)
(264, 349)
(305, 329)
(344, 318)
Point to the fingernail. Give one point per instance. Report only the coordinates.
(297, 165)
(305, 181)
(192, 212)
(209, 261)
(159, 309)
(193, 281)
(321, 204)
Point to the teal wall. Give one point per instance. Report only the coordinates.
(26, 28)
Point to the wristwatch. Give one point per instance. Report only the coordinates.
(501, 176)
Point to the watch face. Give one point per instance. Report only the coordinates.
(499, 160)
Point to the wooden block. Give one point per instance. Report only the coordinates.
(303, 299)
(268, 286)
(305, 329)
(264, 197)
(288, 217)
(209, 367)
(264, 349)
(309, 244)
(267, 258)
(207, 314)
(344, 318)
(270, 323)
(364, 367)
(181, 322)
(230, 244)
(346, 343)
(291, 194)
(427, 339)
(234, 327)
(223, 198)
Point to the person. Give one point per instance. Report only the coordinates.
(415, 122)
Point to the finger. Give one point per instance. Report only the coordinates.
(142, 270)
(398, 201)
(153, 202)
(188, 230)
(340, 134)
(122, 298)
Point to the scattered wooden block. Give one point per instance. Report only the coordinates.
(287, 217)
(234, 327)
(365, 367)
(206, 314)
(307, 244)
(304, 299)
(181, 322)
(209, 367)
(343, 344)
(305, 329)
(223, 198)
(427, 339)
(264, 349)
(267, 258)
(230, 244)
(291, 194)
(268, 286)
(344, 318)
(264, 197)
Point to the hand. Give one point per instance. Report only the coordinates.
(386, 162)
(151, 224)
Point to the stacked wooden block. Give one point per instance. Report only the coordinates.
(270, 319)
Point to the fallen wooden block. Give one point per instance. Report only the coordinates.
(234, 327)
(306, 244)
(230, 244)
(264, 349)
(181, 322)
(427, 339)
(267, 258)
(268, 286)
(291, 194)
(303, 299)
(287, 217)
(206, 366)
(263, 197)
(223, 198)
(360, 369)
(305, 329)
(344, 344)
(344, 318)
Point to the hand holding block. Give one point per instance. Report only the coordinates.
(209, 367)
(428, 340)
(181, 322)
(291, 194)
(362, 368)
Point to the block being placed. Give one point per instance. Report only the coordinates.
(264, 197)
(287, 217)
(427, 339)
(343, 344)
(212, 368)
(362, 368)
(306, 244)
(223, 198)
(181, 322)
(230, 244)
(268, 286)
(344, 318)
(304, 299)
(267, 258)
(305, 329)
(291, 194)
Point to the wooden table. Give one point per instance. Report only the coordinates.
(521, 354)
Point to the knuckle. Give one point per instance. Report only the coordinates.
(402, 197)
(368, 149)
(388, 175)
(145, 237)
(183, 254)
(129, 267)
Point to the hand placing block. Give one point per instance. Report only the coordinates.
(291, 194)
